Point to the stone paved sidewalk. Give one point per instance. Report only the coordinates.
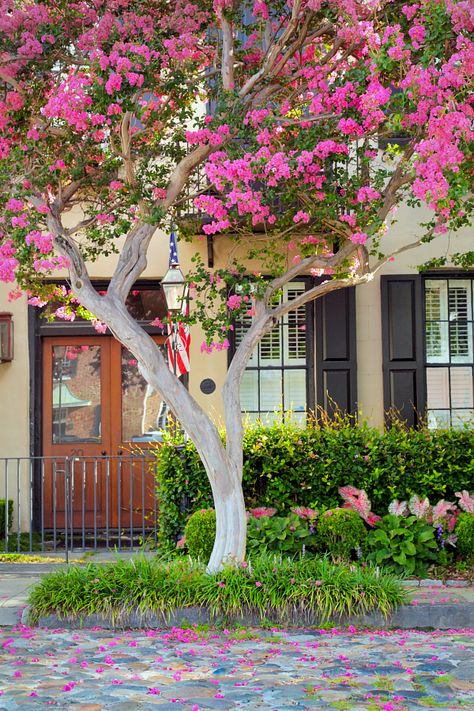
(230, 669)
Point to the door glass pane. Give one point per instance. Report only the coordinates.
(144, 413)
(76, 396)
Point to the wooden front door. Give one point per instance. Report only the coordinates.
(97, 411)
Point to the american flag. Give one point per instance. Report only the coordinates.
(178, 344)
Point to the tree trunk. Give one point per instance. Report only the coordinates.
(231, 522)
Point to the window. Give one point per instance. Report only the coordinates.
(275, 381)
(449, 352)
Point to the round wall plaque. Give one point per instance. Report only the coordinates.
(207, 386)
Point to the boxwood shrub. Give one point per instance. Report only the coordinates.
(200, 532)
(465, 536)
(341, 533)
(285, 465)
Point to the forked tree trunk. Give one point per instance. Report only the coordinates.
(224, 470)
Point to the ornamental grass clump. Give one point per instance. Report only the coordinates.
(268, 587)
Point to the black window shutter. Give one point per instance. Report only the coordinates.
(402, 343)
(336, 360)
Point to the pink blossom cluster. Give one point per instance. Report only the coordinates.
(205, 135)
(215, 346)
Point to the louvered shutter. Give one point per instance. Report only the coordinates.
(336, 360)
(402, 344)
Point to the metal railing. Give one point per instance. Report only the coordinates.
(77, 502)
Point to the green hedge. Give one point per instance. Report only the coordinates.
(285, 465)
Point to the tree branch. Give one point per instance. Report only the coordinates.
(132, 260)
(4, 76)
(312, 262)
(227, 53)
(406, 248)
(80, 279)
(274, 51)
(397, 180)
(182, 172)
(325, 288)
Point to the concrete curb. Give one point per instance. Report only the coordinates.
(448, 616)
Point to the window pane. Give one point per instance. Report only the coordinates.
(249, 391)
(144, 413)
(295, 390)
(459, 300)
(296, 418)
(436, 300)
(437, 343)
(269, 418)
(76, 396)
(270, 347)
(270, 390)
(240, 328)
(294, 337)
(437, 385)
(147, 304)
(461, 387)
(460, 341)
(268, 374)
(462, 418)
(449, 339)
(439, 419)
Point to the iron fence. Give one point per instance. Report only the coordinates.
(77, 502)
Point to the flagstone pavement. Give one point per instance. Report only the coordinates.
(231, 669)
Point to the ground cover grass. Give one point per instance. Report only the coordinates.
(26, 558)
(267, 587)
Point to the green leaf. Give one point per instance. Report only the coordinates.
(400, 558)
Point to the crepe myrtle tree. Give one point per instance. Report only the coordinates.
(101, 118)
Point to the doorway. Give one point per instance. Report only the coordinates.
(98, 414)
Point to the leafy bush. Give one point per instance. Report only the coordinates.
(341, 532)
(200, 533)
(21, 543)
(2, 516)
(287, 535)
(404, 545)
(264, 587)
(289, 465)
(465, 536)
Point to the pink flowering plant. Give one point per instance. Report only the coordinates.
(413, 533)
(103, 140)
